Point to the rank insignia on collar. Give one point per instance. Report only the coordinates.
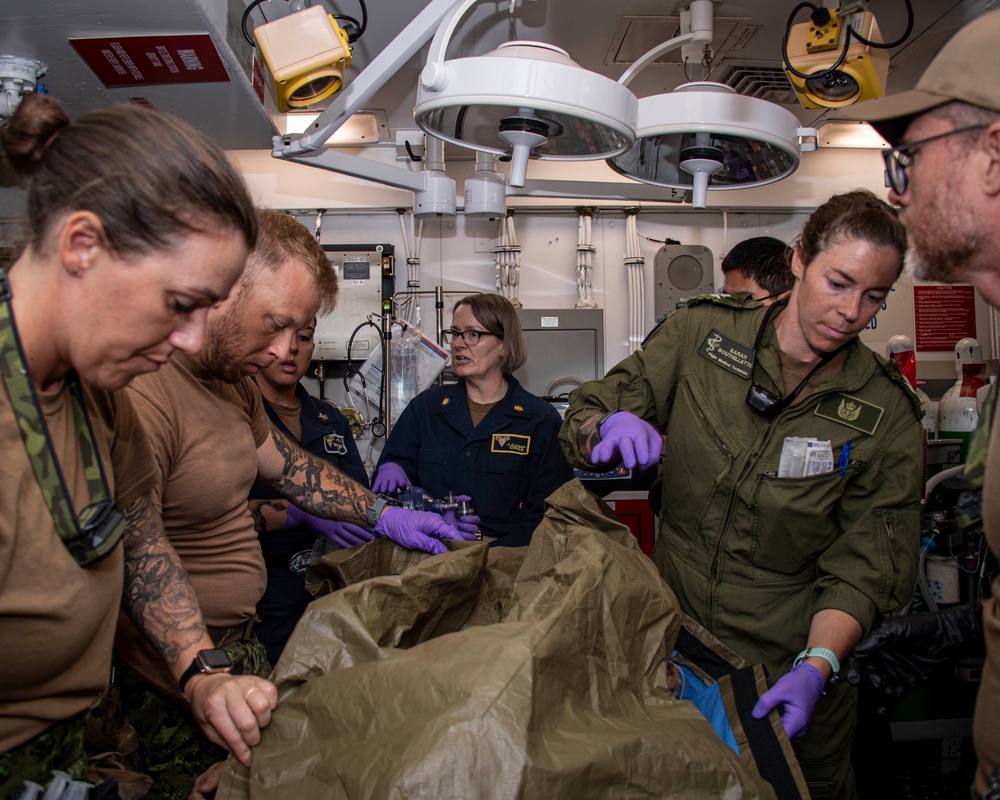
(445, 401)
(519, 408)
(322, 416)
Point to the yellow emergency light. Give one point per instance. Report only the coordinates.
(813, 49)
(306, 54)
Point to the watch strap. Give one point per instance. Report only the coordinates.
(375, 512)
(827, 655)
(198, 667)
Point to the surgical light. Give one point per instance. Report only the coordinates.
(306, 54)
(704, 136)
(524, 100)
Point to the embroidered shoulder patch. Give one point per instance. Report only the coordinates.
(728, 354)
(510, 443)
(333, 443)
(851, 411)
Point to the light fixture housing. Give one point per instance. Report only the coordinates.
(704, 136)
(523, 100)
(813, 50)
(18, 76)
(306, 54)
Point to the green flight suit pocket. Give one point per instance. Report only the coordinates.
(894, 528)
(795, 520)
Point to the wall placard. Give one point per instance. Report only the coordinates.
(942, 315)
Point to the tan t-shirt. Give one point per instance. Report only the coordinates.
(57, 619)
(204, 434)
(986, 726)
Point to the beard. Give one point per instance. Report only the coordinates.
(224, 346)
(942, 243)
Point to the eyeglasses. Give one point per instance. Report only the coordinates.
(470, 337)
(897, 159)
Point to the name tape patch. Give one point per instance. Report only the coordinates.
(510, 443)
(728, 354)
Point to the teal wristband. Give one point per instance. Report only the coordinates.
(819, 652)
(826, 655)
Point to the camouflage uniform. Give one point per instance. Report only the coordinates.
(60, 747)
(173, 750)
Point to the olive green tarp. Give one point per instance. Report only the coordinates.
(537, 672)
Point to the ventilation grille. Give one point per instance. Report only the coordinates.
(761, 81)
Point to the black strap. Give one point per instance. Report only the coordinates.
(787, 401)
(93, 533)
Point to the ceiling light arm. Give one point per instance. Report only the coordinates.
(372, 78)
(696, 25)
(435, 74)
(598, 190)
(656, 52)
(365, 168)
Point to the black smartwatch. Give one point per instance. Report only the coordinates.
(207, 662)
(375, 512)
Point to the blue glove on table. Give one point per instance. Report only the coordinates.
(416, 530)
(638, 442)
(798, 691)
(344, 534)
(467, 524)
(389, 478)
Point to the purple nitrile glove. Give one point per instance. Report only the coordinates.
(638, 442)
(389, 478)
(798, 692)
(344, 534)
(417, 530)
(467, 525)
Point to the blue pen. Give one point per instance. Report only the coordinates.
(845, 457)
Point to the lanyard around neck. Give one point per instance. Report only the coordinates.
(95, 532)
(760, 399)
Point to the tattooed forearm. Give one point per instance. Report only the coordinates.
(158, 596)
(317, 487)
(268, 515)
(588, 436)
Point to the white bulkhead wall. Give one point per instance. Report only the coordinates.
(457, 252)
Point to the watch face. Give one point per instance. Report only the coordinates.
(214, 660)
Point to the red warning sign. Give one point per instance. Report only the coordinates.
(148, 60)
(943, 315)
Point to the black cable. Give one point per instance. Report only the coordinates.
(900, 40)
(784, 46)
(243, 22)
(409, 151)
(849, 33)
(351, 371)
(358, 29)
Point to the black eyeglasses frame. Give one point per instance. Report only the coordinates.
(898, 158)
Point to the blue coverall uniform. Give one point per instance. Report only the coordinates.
(508, 464)
(326, 434)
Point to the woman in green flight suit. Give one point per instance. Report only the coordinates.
(787, 570)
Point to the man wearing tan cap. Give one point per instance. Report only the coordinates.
(944, 174)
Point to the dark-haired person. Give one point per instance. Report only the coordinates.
(759, 267)
(787, 567)
(320, 429)
(137, 225)
(485, 436)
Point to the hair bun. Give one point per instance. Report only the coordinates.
(39, 119)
